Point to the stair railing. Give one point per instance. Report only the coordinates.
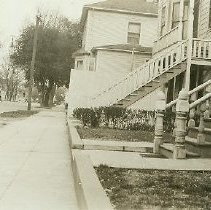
(191, 92)
(151, 70)
(183, 108)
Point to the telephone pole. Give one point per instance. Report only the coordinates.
(31, 75)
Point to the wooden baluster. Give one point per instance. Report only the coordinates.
(191, 122)
(209, 50)
(205, 50)
(200, 136)
(182, 109)
(160, 109)
(194, 48)
(207, 111)
(199, 49)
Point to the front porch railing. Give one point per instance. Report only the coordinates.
(201, 49)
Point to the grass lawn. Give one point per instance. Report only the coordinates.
(144, 189)
(121, 135)
(17, 114)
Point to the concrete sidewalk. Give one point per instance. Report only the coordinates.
(135, 160)
(35, 164)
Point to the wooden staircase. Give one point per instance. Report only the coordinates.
(151, 85)
(203, 148)
(151, 75)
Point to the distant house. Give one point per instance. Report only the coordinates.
(118, 36)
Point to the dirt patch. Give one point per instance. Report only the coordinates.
(121, 135)
(145, 189)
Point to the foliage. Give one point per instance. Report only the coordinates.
(116, 117)
(12, 80)
(60, 94)
(148, 189)
(18, 114)
(58, 38)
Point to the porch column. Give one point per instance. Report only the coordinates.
(160, 109)
(181, 19)
(182, 109)
(189, 47)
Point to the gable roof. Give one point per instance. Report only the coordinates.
(138, 7)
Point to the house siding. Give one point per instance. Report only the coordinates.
(117, 64)
(204, 31)
(105, 28)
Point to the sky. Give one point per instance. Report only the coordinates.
(14, 14)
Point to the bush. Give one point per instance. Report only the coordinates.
(116, 117)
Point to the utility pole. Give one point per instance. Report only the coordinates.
(31, 76)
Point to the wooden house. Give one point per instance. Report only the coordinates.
(181, 60)
(118, 36)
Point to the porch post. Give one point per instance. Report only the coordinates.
(189, 47)
(182, 109)
(160, 109)
(181, 19)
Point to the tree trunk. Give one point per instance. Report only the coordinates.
(51, 96)
(46, 94)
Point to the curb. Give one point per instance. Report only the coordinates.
(73, 136)
(89, 191)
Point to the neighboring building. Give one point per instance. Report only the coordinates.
(118, 36)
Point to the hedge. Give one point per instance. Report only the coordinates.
(122, 118)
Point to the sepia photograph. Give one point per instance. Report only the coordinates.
(105, 105)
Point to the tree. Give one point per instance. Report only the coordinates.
(58, 38)
(12, 80)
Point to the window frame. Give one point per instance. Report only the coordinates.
(175, 23)
(132, 35)
(209, 23)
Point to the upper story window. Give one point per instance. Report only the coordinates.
(163, 21)
(134, 30)
(210, 16)
(176, 14)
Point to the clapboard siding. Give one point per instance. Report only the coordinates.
(204, 30)
(103, 28)
(117, 64)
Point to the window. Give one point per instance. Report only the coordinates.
(210, 16)
(79, 64)
(134, 30)
(185, 19)
(175, 14)
(163, 21)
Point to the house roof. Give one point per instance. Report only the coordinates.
(80, 52)
(140, 7)
(124, 48)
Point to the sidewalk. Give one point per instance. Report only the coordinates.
(35, 167)
(136, 161)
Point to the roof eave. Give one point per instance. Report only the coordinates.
(119, 11)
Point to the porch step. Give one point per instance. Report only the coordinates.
(152, 85)
(203, 149)
(207, 123)
(193, 132)
(167, 149)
